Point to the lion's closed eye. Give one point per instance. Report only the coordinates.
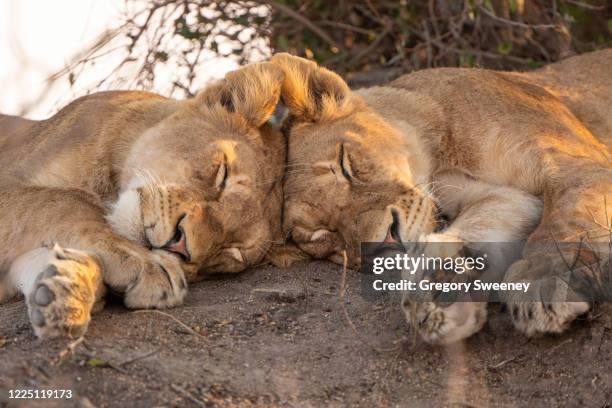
(345, 163)
(222, 175)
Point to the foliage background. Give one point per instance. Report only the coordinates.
(367, 41)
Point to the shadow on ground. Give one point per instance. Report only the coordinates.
(278, 337)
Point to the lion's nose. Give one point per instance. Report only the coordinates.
(393, 232)
(178, 245)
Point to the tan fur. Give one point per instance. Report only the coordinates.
(115, 177)
(486, 147)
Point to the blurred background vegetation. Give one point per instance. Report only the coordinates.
(367, 41)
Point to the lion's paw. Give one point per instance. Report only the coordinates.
(64, 293)
(440, 317)
(160, 285)
(444, 325)
(536, 318)
(550, 304)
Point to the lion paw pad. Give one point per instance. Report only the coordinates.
(63, 295)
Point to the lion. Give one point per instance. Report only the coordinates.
(505, 156)
(140, 194)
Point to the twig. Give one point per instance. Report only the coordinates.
(559, 345)
(103, 361)
(139, 357)
(187, 395)
(603, 335)
(344, 26)
(503, 363)
(605, 227)
(514, 23)
(69, 349)
(343, 287)
(428, 42)
(117, 367)
(180, 323)
(585, 5)
(432, 18)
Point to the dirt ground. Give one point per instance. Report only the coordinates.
(279, 337)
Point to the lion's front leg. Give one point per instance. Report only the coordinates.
(489, 216)
(568, 249)
(568, 254)
(61, 286)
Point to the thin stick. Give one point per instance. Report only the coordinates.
(559, 345)
(139, 357)
(503, 363)
(585, 5)
(514, 23)
(183, 325)
(69, 349)
(187, 395)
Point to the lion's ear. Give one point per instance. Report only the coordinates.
(252, 92)
(309, 91)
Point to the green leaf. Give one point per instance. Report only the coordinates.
(610, 25)
(467, 60)
(96, 362)
(504, 48)
(513, 6)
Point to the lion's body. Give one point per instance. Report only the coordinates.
(520, 130)
(143, 190)
(583, 85)
(10, 124)
(85, 145)
(489, 148)
(487, 115)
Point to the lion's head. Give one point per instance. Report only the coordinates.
(205, 182)
(350, 174)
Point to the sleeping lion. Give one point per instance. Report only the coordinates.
(505, 156)
(138, 193)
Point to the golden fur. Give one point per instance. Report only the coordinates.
(487, 149)
(140, 189)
